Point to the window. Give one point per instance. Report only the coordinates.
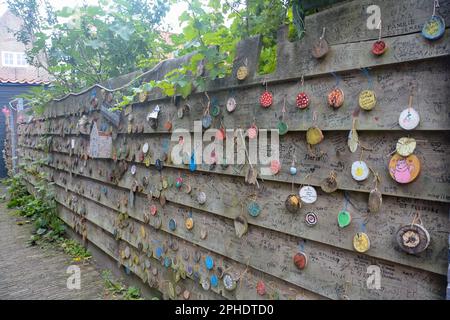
(14, 59)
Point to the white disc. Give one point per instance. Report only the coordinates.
(145, 148)
(307, 194)
(409, 119)
(360, 171)
(133, 169)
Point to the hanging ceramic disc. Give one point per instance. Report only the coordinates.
(253, 209)
(361, 242)
(300, 260)
(360, 171)
(413, 238)
(214, 280)
(320, 48)
(344, 218)
(311, 219)
(189, 223)
(172, 224)
(242, 73)
(228, 282)
(302, 100)
(308, 194)
(329, 185)
(206, 121)
(209, 262)
(293, 203)
(240, 226)
(367, 99)
(215, 111)
(282, 128)
(205, 284)
(252, 132)
(261, 288)
(231, 104)
(379, 47)
(133, 169)
(201, 197)
(314, 135)
(375, 201)
(336, 98)
(409, 119)
(406, 146)
(145, 148)
(266, 99)
(434, 28)
(404, 169)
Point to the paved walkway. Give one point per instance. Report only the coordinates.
(31, 272)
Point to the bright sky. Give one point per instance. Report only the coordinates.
(171, 18)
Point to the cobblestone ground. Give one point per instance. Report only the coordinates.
(33, 272)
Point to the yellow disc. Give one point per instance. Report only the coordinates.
(406, 146)
(142, 96)
(367, 99)
(142, 230)
(314, 135)
(242, 73)
(189, 223)
(361, 242)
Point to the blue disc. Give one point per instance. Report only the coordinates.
(192, 164)
(253, 209)
(214, 280)
(434, 28)
(206, 121)
(172, 224)
(159, 252)
(167, 262)
(209, 262)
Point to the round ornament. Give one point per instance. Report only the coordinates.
(228, 282)
(145, 148)
(293, 171)
(375, 201)
(189, 223)
(413, 238)
(361, 242)
(261, 288)
(209, 262)
(133, 169)
(252, 132)
(434, 28)
(308, 194)
(314, 135)
(344, 218)
(266, 99)
(214, 280)
(360, 171)
(409, 119)
(172, 225)
(282, 128)
(336, 98)
(404, 169)
(253, 209)
(406, 146)
(320, 48)
(311, 219)
(201, 197)
(206, 121)
(220, 134)
(329, 185)
(205, 284)
(167, 262)
(302, 100)
(215, 111)
(367, 100)
(293, 203)
(142, 96)
(275, 166)
(231, 104)
(300, 260)
(242, 73)
(203, 234)
(379, 47)
(153, 209)
(178, 182)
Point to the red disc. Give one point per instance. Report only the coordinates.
(261, 288)
(153, 209)
(302, 100)
(379, 47)
(266, 99)
(300, 260)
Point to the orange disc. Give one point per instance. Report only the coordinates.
(404, 169)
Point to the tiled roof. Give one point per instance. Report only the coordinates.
(24, 81)
(28, 75)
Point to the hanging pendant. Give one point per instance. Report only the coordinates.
(344, 218)
(293, 170)
(302, 100)
(206, 121)
(367, 100)
(228, 282)
(360, 171)
(300, 260)
(172, 224)
(201, 197)
(253, 209)
(266, 99)
(189, 223)
(361, 242)
(311, 219)
(209, 262)
(275, 166)
(434, 28)
(404, 169)
(242, 73)
(261, 288)
(192, 164)
(413, 238)
(240, 226)
(203, 233)
(409, 119)
(282, 128)
(179, 182)
(320, 48)
(308, 194)
(336, 98)
(375, 201)
(293, 203)
(329, 185)
(231, 104)
(406, 146)
(314, 135)
(252, 132)
(379, 47)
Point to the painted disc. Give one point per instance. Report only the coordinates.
(406, 146)
(206, 121)
(133, 169)
(215, 111)
(252, 132)
(320, 49)
(275, 166)
(293, 203)
(302, 100)
(209, 262)
(205, 284)
(142, 96)
(153, 209)
(344, 218)
(308, 194)
(231, 104)
(404, 169)
(311, 219)
(361, 242)
(242, 73)
(266, 99)
(145, 148)
(293, 171)
(228, 282)
(379, 47)
(201, 197)
(367, 99)
(300, 260)
(167, 262)
(203, 234)
(360, 171)
(189, 223)
(409, 119)
(261, 288)
(253, 209)
(282, 128)
(214, 280)
(336, 98)
(413, 238)
(314, 135)
(434, 28)
(172, 224)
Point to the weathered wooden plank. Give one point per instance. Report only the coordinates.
(332, 154)
(272, 252)
(225, 199)
(428, 80)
